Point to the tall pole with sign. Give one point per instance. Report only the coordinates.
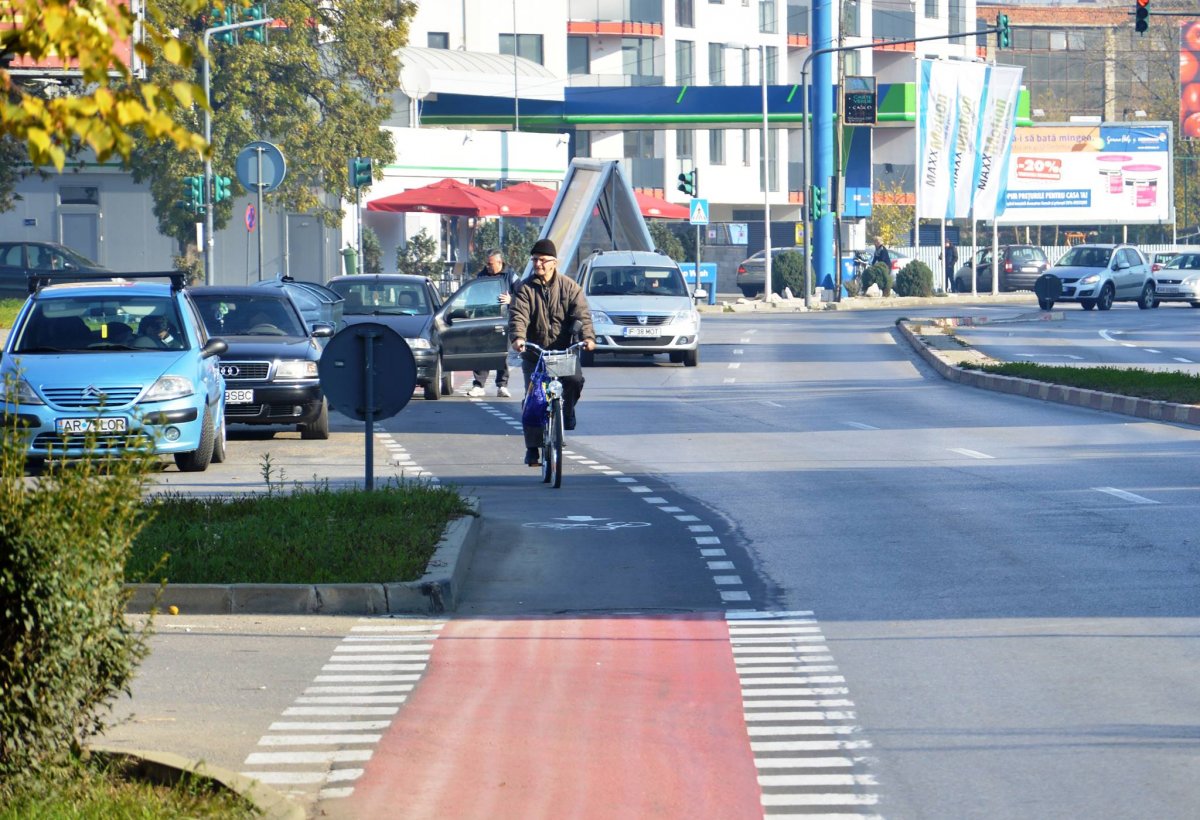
(260, 168)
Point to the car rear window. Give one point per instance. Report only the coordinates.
(88, 323)
(242, 315)
(636, 281)
(1028, 255)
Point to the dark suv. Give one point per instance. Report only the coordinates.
(1019, 267)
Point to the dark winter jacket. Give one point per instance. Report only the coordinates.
(544, 313)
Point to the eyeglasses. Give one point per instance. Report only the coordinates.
(543, 260)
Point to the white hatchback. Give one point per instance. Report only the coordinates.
(641, 304)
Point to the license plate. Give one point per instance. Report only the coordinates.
(102, 425)
(239, 396)
(643, 332)
(1168, 291)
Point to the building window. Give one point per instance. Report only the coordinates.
(639, 62)
(772, 65)
(747, 140)
(685, 62)
(797, 18)
(685, 13)
(766, 16)
(931, 9)
(851, 63)
(578, 61)
(685, 144)
(957, 12)
(850, 20)
(746, 64)
(528, 46)
(438, 39)
(583, 143)
(78, 195)
(716, 64)
(716, 147)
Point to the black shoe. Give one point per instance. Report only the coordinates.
(532, 458)
(569, 418)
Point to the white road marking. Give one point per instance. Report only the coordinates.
(1152, 350)
(687, 518)
(328, 726)
(726, 580)
(655, 500)
(728, 381)
(352, 699)
(858, 425)
(392, 646)
(639, 489)
(1108, 335)
(707, 539)
(810, 746)
(834, 799)
(785, 717)
(339, 756)
(737, 351)
(380, 667)
(627, 480)
(358, 690)
(771, 403)
(970, 453)
(316, 740)
(699, 528)
(672, 509)
(330, 711)
(1181, 359)
(735, 595)
(712, 553)
(1125, 495)
(715, 565)
(734, 365)
(401, 628)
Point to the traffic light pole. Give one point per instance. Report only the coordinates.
(208, 205)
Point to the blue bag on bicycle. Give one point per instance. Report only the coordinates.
(533, 409)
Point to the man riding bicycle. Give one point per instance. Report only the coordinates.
(545, 311)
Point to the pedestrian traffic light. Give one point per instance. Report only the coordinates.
(193, 194)
(689, 183)
(258, 11)
(360, 172)
(1141, 16)
(817, 208)
(221, 190)
(1003, 32)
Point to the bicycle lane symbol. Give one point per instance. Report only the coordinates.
(585, 522)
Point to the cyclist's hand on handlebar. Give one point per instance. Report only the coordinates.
(589, 344)
(519, 345)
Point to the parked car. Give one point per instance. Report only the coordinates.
(20, 259)
(1096, 275)
(317, 303)
(1019, 267)
(1159, 259)
(751, 272)
(407, 305)
(1179, 279)
(270, 367)
(640, 303)
(473, 328)
(118, 361)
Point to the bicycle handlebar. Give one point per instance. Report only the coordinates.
(539, 349)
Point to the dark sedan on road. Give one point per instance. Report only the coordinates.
(270, 368)
(20, 259)
(407, 304)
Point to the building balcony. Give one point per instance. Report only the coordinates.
(625, 18)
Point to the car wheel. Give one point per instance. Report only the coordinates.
(749, 291)
(676, 356)
(1087, 304)
(691, 358)
(1194, 304)
(587, 358)
(1147, 301)
(197, 460)
(1046, 304)
(1105, 300)
(960, 286)
(218, 455)
(319, 427)
(1157, 302)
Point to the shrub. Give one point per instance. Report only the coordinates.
(877, 274)
(65, 647)
(916, 279)
(787, 270)
(419, 255)
(665, 239)
(372, 251)
(852, 285)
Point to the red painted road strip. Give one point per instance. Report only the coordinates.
(607, 717)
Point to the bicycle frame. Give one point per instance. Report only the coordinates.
(552, 430)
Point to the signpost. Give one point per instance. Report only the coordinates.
(698, 216)
(260, 167)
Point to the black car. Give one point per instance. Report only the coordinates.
(1019, 267)
(270, 368)
(20, 259)
(407, 304)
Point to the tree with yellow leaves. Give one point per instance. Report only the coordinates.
(114, 106)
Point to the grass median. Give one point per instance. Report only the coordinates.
(1159, 385)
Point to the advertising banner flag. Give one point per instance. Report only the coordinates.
(998, 120)
(936, 120)
(972, 78)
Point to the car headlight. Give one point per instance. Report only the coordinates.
(418, 344)
(599, 317)
(689, 317)
(170, 387)
(1090, 280)
(23, 393)
(296, 369)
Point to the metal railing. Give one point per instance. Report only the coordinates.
(605, 11)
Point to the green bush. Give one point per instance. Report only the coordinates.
(418, 256)
(787, 270)
(877, 274)
(665, 239)
(372, 251)
(852, 285)
(517, 242)
(916, 279)
(66, 649)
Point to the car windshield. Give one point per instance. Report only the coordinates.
(1184, 261)
(636, 281)
(1082, 256)
(90, 323)
(375, 298)
(229, 314)
(1028, 255)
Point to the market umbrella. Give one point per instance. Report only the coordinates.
(660, 208)
(539, 199)
(450, 197)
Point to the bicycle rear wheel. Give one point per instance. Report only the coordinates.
(556, 441)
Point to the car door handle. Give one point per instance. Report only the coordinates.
(498, 328)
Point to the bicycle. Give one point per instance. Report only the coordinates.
(555, 363)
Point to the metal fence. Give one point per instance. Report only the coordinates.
(931, 255)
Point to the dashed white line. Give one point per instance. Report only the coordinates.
(1183, 360)
(1125, 495)
(970, 453)
(858, 425)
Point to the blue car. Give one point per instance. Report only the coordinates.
(114, 359)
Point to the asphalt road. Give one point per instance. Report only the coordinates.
(999, 594)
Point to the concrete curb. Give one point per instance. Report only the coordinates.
(437, 591)
(796, 305)
(942, 362)
(168, 769)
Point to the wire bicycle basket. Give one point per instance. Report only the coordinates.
(561, 364)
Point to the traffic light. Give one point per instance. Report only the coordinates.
(221, 190)
(689, 183)
(360, 172)
(257, 34)
(226, 18)
(817, 208)
(1004, 33)
(193, 194)
(1141, 16)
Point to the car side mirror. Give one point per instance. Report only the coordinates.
(321, 330)
(213, 347)
(700, 293)
(458, 313)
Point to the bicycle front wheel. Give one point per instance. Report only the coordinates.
(556, 442)
(547, 445)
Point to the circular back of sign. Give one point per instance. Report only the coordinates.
(345, 377)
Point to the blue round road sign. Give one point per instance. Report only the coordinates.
(274, 167)
(345, 379)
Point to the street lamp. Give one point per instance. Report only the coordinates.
(762, 72)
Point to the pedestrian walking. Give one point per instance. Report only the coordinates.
(950, 260)
(495, 266)
(881, 254)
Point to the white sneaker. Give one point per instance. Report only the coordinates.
(503, 393)
(475, 392)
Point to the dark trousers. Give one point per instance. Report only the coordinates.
(501, 376)
(572, 388)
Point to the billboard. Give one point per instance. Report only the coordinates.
(1189, 79)
(55, 66)
(1118, 174)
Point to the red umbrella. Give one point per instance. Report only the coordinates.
(539, 199)
(450, 197)
(660, 208)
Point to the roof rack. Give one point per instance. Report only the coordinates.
(41, 279)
